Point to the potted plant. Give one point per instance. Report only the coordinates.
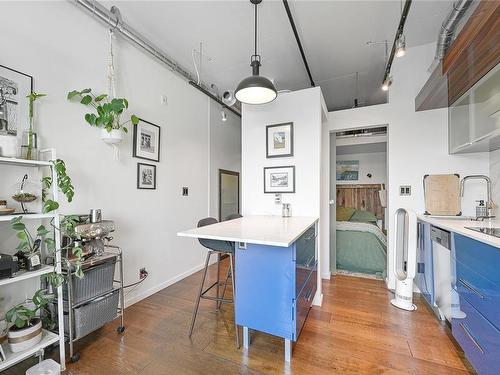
(29, 246)
(107, 114)
(30, 142)
(26, 329)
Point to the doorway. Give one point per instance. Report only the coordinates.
(229, 193)
(358, 188)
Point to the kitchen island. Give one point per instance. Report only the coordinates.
(275, 272)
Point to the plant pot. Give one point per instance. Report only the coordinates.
(113, 137)
(24, 338)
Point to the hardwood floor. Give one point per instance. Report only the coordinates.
(356, 331)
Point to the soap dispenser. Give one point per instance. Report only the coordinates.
(481, 209)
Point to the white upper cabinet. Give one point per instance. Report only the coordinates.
(474, 119)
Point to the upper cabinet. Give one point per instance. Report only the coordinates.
(474, 119)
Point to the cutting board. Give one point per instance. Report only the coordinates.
(442, 194)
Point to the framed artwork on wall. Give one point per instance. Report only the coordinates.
(15, 86)
(347, 170)
(279, 179)
(146, 144)
(279, 140)
(146, 176)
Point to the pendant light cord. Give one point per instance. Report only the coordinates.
(255, 30)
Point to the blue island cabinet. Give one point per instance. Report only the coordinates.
(476, 326)
(275, 287)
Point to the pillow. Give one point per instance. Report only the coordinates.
(363, 217)
(344, 213)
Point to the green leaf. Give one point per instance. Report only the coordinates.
(50, 205)
(100, 97)
(85, 91)
(87, 99)
(134, 119)
(18, 226)
(125, 102)
(90, 118)
(22, 236)
(72, 94)
(125, 130)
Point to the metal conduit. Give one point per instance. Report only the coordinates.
(117, 25)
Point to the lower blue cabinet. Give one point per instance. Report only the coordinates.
(275, 286)
(476, 323)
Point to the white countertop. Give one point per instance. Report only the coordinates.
(458, 226)
(262, 230)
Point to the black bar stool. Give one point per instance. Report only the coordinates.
(215, 247)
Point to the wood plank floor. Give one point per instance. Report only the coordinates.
(356, 331)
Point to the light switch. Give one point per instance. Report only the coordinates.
(163, 100)
(185, 191)
(277, 198)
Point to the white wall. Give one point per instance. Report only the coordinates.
(225, 150)
(495, 179)
(374, 163)
(65, 49)
(303, 108)
(417, 143)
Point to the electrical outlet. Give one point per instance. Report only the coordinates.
(185, 191)
(405, 190)
(277, 198)
(163, 100)
(142, 273)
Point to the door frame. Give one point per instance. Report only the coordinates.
(233, 173)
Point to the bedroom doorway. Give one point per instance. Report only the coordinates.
(358, 183)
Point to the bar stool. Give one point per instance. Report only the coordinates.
(215, 247)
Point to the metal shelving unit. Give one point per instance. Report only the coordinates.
(48, 338)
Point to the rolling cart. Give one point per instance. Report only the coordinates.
(96, 299)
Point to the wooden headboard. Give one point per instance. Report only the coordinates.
(361, 197)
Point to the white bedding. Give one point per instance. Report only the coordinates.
(362, 227)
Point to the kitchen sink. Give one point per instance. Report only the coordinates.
(495, 232)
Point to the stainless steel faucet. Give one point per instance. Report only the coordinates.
(489, 202)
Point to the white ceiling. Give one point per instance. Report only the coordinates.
(333, 33)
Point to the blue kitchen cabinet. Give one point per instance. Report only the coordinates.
(424, 277)
(476, 278)
(275, 285)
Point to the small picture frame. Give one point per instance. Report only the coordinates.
(279, 140)
(279, 179)
(146, 144)
(146, 176)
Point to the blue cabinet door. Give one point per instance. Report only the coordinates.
(265, 289)
(478, 338)
(424, 277)
(305, 258)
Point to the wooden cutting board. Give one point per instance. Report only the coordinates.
(442, 194)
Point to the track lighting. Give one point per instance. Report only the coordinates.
(401, 46)
(228, 98)
(256, 89)
(387, 83)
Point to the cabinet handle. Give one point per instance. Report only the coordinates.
(470, 287)
(469, 335)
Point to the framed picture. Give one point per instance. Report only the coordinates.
(347, 170)
(14, 109)
(146, 176)
(279, 140)
(279, 179)
(146, 141)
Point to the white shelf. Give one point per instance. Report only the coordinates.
(24, 162)
(24, 275)
(27, 216)
(48, 338)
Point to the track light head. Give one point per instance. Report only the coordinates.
(401, 46)
(387, 83)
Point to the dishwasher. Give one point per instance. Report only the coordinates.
(441, 246)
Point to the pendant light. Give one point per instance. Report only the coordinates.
(255, 89)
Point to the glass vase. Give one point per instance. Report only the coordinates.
(29, 148)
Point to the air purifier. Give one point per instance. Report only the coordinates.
(405, 258)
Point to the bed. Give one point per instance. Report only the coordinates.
(361, 245)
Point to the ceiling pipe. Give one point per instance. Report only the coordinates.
(399, 32)
(299, 44)
(114, 22)
(448, 28)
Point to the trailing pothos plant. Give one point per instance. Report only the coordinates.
(22, 316)
(64, 184)
(107, 111)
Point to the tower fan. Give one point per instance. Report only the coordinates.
(405, 258)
